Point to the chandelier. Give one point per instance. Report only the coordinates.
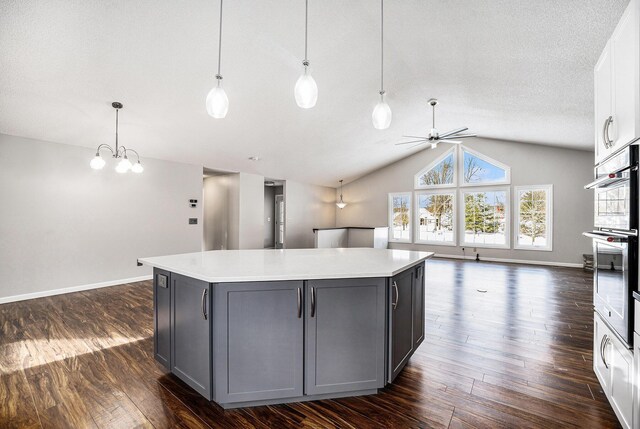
(120, 152)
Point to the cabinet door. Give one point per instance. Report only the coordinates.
(603, 101)
(622, 385)
(624, 55)
(191, 333)
(400, 322)
(162, 317)
(601, 361)
(259, 331)
(418, 306)
(345, 335)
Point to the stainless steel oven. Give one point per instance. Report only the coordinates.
(615, 240)
(615, 273)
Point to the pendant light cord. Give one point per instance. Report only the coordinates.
(381, 47)
(306, 25)
(117, 132)
(219, 76)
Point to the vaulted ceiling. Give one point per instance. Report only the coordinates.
(517, 70)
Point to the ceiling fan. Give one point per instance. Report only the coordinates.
(434, 137)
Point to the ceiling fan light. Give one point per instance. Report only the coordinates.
(434, 145)
(381, 115)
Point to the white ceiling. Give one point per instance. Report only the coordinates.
(519, 70)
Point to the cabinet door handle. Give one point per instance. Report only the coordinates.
(299, 303)
(313, 302)
(605, 132)
(605, 342)
(204, 304)
(395, 301)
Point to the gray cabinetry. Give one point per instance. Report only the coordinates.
(345, 335)
(418, 306)
(191, 332)
(259, 330)
(400, 322)
(162, 317)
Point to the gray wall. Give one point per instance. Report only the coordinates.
(64, 225)
(216, 212)
(568, 171)
(251, 220)
(307, 207)
(269, 214)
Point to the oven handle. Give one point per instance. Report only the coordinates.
(606, 237)
(609, 179)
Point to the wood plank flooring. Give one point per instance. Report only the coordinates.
(507, 346)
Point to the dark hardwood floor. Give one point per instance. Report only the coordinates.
(508, 346)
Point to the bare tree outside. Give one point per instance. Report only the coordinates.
(533, 217)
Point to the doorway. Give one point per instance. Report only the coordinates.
(274, 214)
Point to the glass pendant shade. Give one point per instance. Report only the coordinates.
(137, 167)
(97, 162)
(381, 115)
(306, 90)
(123, 166)
(341, 204)
(217, 103)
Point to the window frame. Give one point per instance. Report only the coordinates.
(438, 160)
(390, 217)
(507, 223)
(516, 218)
(485, 158)
(416, 222)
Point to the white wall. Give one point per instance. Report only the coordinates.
(64, 225)
(568, 171)
(216, 212)
(307, 207)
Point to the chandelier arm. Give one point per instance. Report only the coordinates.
(134, 151)
(103, 145)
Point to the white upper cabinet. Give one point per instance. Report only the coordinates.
(603, 102)
(617, 86)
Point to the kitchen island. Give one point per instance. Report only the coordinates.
(256, 327)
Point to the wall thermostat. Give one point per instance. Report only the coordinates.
(193, 203)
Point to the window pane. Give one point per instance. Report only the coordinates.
(477, 170)
(401, 221)
(485, 217)
(435, 217)
(441, 174)
(533, 223)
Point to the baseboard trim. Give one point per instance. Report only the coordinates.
(23, 297)
(511, 261)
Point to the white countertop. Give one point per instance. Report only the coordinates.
(218, 266)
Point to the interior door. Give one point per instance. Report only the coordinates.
(280, 221)
(603, 101)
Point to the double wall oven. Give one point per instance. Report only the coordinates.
(615, 240)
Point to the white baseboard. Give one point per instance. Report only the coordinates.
(512, 261)
(14, 298)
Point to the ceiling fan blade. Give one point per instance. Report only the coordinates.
(450, 141)
(456, 131)
(412, 141)
(415, 137)
(462, 136)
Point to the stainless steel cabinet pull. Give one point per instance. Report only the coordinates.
(603, 348)
(299, 303)
(313, 302)
(204, 304)
(605, 132)
(395, 301)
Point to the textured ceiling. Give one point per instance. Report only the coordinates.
(509, 69)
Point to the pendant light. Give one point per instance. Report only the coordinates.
(217, 100)
(306, 90)
(120, 152)
(341, 204)
(381, 115)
